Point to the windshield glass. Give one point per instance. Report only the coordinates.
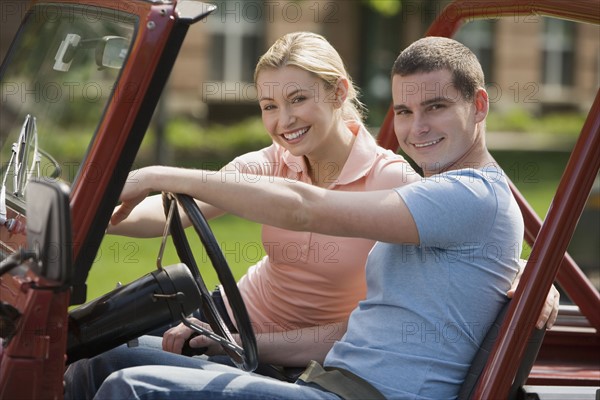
(55, 84)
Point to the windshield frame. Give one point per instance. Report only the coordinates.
(57, 17)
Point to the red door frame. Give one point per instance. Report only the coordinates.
(32, 364)
(549, 240)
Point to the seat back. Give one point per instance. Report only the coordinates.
(479, 361)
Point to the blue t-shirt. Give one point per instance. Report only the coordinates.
(428, 307)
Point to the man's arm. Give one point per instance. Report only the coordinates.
(293, 348)
(148, 218)
(377, 215)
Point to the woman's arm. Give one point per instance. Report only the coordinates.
(377, 215)
(294, 348)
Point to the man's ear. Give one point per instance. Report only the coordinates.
(341, 91)
(482, 105)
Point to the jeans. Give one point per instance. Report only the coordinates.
(285, 374)
(148, 372)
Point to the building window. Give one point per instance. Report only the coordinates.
(558, 56)
(236, 30)
(479, 37)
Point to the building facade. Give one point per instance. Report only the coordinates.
(533, 63)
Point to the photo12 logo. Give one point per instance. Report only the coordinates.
(290, 12)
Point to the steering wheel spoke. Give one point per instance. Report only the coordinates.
(246, 355)
(227, 343)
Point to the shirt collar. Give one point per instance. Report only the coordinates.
(360, 160)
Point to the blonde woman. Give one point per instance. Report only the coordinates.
(310, 109)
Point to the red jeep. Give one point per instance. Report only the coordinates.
(100, 67)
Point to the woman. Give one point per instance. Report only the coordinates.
(310, 109)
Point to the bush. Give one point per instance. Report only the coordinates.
(188, 144)
(191, 145)
(518, 120)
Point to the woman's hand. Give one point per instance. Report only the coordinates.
(175, 338)
(212, 348)
(550, 310)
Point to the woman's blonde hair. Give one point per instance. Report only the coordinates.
(313, 53)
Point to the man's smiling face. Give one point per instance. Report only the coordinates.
(435, 125)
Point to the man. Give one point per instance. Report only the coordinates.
(448, 251)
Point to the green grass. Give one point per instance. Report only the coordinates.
(123, 259)
(536, 175)
(519, 120)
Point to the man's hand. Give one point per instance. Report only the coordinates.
(134, 191)
(549, 311)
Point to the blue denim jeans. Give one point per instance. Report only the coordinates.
(262, 369)
(148, 372)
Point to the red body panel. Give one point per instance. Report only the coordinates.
(32, 365)
(549, 239)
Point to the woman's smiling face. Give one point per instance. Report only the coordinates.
(297, 109)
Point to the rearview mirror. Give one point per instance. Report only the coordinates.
(111, 51)
(49, 229)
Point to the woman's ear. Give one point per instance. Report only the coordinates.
(482, 105)
(341, 91)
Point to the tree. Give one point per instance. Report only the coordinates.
(385, 7)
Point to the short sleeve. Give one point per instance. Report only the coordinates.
(456, 207)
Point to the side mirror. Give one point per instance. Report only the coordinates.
(49, 229)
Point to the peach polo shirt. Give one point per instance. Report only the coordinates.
(308, 279)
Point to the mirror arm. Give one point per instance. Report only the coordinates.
(16, 259)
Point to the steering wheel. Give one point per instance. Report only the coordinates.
(246, 356)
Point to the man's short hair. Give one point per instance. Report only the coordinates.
(434, 53)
